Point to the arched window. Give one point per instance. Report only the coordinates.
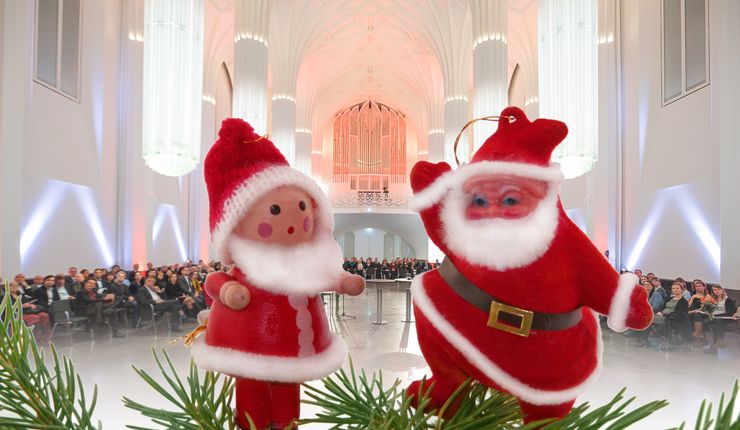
(370, 147)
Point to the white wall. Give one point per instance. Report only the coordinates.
(74, 186)
(407, 226)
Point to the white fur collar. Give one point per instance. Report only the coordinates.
(302, 269)
(499, 244)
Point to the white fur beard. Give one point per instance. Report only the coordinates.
(308, 268)
(499, 244)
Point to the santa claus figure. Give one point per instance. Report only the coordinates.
(512, 305)
(267, 326)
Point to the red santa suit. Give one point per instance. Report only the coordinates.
(282, 337)
(542, 265)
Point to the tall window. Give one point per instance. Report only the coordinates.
(369, 146)
(58, 25)
(685, 47)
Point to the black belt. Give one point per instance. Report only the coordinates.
(502, 316)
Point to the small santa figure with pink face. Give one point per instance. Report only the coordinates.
(512, 305)
(267, 326)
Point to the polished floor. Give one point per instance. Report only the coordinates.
(684, 377)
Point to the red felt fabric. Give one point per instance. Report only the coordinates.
(237, 155)
(267, 326)
(268, 404)
(571, 274)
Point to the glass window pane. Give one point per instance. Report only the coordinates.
(671, 48)
(696, 43)
(46, 41)
(70, 46)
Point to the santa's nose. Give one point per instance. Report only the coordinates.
(291, 230)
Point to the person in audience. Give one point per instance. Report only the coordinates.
(651, 276)
(135, 283)
(360, 267)
(98, 308)
(61, 286)
(723, 314)
(38, 282)
(657, 287)
(47, 294)
(85, 273)
(676, 311)
(33, 314)
(638, 273)
(654, 299)
(133, 273)
(78, 284)
(173, 291)
(698, 317)
(100, 284)
(70, 278)
(150, 298)
(22, 284)
(198, 282)
(124, 298)
(185, 283)
(161, 280)
(109, 280)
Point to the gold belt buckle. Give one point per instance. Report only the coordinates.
(524, 327)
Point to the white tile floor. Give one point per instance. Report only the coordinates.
(683, 377)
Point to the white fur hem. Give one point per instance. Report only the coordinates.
(436, 191)
(255, 187)
(269, 367)
(490, 369)
(620, 305)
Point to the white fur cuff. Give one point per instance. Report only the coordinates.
(621, 302)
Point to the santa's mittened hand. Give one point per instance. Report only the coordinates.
(640, 315)
(350, 284)
(424, 173)
(234, 295)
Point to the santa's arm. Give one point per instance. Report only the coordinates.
(619, 297)
(225, 289)
(350, 284)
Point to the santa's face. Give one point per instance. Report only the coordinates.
(499, 221)
(502, 196)
(283, 216)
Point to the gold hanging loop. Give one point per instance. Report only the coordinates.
(493, 118)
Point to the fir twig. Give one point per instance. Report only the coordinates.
(199, 403)
(32, 395)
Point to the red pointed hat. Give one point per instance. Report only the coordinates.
(241, 167)
(518, 140)
(518, 147)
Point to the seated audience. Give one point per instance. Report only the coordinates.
(61, 286)
(33, 314)
(38, 282)
(722, 317)
(655, 299)
(173, 291)
(675, 314)
(47, 294)
(150, 298)
(699, 317)
(99, 308)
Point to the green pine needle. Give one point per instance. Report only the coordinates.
(32, 394)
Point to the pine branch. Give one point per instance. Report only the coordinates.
(32, 395)
(199, 403)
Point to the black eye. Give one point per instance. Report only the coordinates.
(275, 209)
(480, 201)
(302, 205)
(510, 201)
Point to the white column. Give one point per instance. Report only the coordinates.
(16, 34)
(250, 62)
(608, 206)
(490, 67)
(436, 146)
(724, 17)
(134, 241)
(456, 115)
(568, 78)
(303, 140)
(283, 125)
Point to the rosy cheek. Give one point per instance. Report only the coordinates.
(306, 224)
(264, 230)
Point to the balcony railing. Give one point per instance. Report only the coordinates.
(369, 199)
